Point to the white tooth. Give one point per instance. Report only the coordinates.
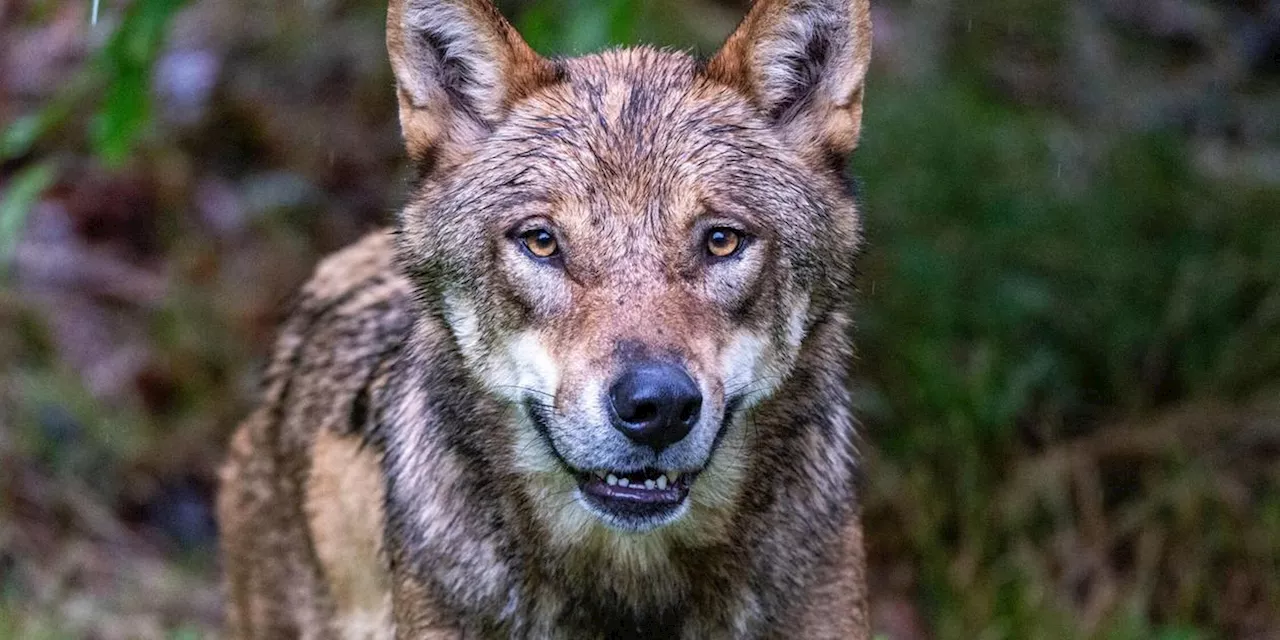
(600, 474)
(662, 482)
(623, 482)
(673, 476)
(612, 480)
(649, 484)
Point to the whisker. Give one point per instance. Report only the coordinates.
(526, 389)
(752, 386)
(529, 402)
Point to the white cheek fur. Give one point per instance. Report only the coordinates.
(510, 366)
(753, 364)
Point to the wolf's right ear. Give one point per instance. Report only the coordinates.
(803, 62)
(459, 66)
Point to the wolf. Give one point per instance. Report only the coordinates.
(595, 382)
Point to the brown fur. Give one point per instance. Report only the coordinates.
(408, 471)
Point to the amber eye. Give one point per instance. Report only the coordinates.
(540, 243)
(723, 242)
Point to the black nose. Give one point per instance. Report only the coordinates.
(655, 404)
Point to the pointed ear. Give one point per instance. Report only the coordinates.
(803, 62)
(459, 66)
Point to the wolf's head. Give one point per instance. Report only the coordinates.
(631, 248)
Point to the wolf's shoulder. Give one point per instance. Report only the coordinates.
(356, 299)
(367, 265)
(347, 326)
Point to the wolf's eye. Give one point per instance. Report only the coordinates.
(540, 243)
(723, 242)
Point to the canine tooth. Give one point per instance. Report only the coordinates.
(662, 482)
(673, 476)
(612, 480)
(623, 482)
(600, 474)
(649, 484)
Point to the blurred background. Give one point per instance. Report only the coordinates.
(1069, 328)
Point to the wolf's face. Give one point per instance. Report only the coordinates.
(629, 249)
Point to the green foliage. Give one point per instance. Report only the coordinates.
(24, 191)
(571, 27)
(596, 24)
(1026, 283)
(118, 81)
(126, 64)
(22, 134)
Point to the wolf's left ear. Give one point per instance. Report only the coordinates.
(459, 66)
(803, 62)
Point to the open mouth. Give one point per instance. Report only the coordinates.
(639, 495)
(629, 500)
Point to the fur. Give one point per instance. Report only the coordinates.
(411, 471)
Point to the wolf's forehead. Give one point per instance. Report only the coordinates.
(640, 77)
(633, 128)
(632, 107)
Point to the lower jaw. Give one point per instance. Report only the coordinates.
(633, 519)
(635, 513)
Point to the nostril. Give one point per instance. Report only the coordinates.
(644, 412)
(689, 412)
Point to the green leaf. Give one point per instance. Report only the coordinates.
(18, 139)
(126, 62)
(24, 191)
(22, 134)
